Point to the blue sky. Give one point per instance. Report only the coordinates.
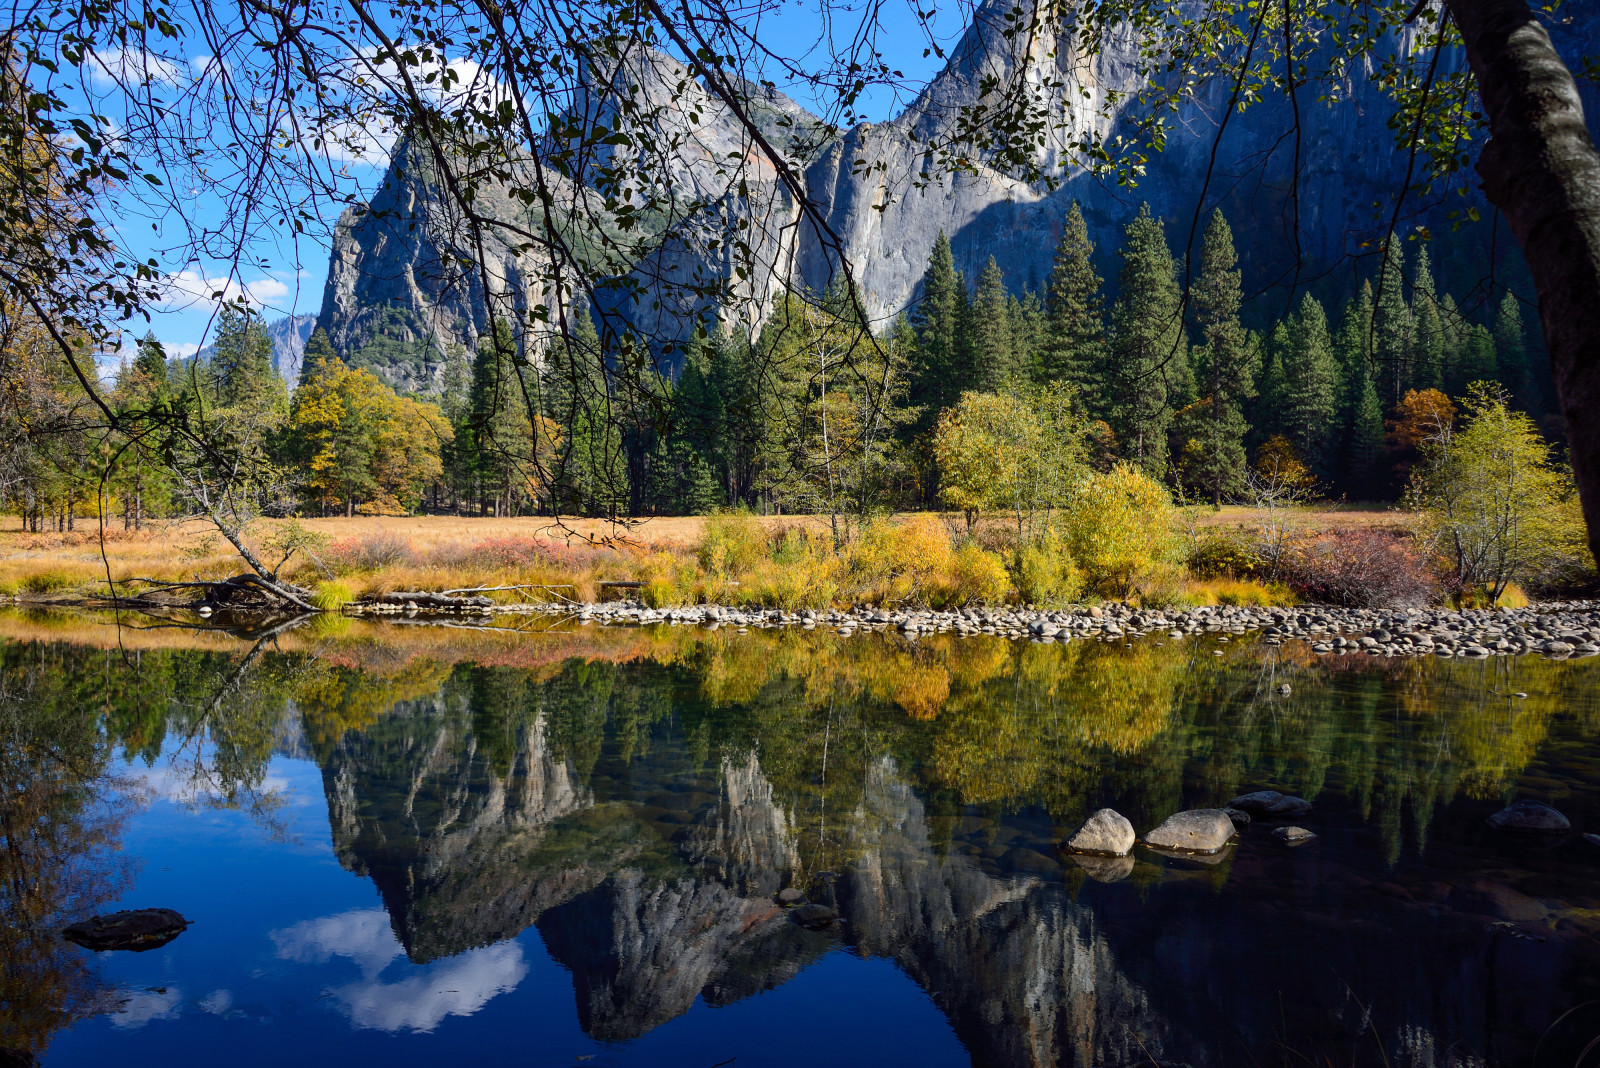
(286, 277)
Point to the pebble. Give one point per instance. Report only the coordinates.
(1563, 630)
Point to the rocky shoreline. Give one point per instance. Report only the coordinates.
(1565, 629)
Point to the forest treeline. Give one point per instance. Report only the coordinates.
(812, 414)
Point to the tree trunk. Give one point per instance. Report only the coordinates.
(1541, 169)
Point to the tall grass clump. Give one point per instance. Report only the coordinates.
(370, 552)
(801, 570)
(332, 595)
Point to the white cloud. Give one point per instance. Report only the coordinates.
(459, 986)
(188, 287)
(362, 935)
(134, 66)
(138, 1007)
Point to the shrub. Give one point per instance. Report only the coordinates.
(1045, 572)
(802, 572)
(1120, 529)
(370, 552)
(332, 595)
(669, 580)
(894, 562)
(974, 576)
(732, 544)
(1223, 554)
(1361, 569)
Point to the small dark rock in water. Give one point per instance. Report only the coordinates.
(813, 917)
(1107, 833)
(1240, 818)
(1529, 815)
(1293, 835)
(1199, 830)
(1104, 869)
(790, 896)
(1271, 803)
(136, 929)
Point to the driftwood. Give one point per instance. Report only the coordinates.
(240, 591)
(423, 599)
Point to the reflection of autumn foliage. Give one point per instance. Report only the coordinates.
(1033, 733)
(59, 829)
(337, 700)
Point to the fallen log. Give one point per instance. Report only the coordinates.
(424, 599)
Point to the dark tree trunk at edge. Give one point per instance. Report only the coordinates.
(1541, 169)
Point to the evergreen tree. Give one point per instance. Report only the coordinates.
(498, 421)
(1271, 388)
(1392, 329)
(1453, 339)
(942, 368)
(1074, 346)
(1479, 357)
(1149, 366)
(1226, 365)
(318, 350)
(1361, 410)
(241, 372)
(151, 365)
(1428, 350)
(1028, 329)
(1308, 403)
(993, 346)
(1511, 354)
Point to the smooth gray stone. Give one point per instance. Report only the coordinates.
(1198, 830)
(1293, 835)
(1107, 832)
(1271, 803)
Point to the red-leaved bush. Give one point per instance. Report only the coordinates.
(1362, 569)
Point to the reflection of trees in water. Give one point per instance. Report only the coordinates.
(60, 821)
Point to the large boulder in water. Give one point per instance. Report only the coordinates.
(1198, 830)
(1107, 833)
(135, 929)
(1529, 815)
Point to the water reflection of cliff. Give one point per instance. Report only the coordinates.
(644, 829)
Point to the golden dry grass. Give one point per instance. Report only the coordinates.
(76, 563)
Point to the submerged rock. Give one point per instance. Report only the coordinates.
(1103, 869)
(1107, 833)
(1293, 835)
(135, 929)
(1529, 815)
(813, 917)
(1198, 830)
(1240, 818)
(789, 896)
(1271, 803)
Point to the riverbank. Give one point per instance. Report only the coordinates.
(1564, 629)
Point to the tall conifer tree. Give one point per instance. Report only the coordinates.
(1428, 342)
(1511, 351)
(1309, 401)
(993, 346)
(942, 319)
(1225, 364)
(1392, 329)
(1148, 369)
(1074, 347)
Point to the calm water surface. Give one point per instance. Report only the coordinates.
(423, 845)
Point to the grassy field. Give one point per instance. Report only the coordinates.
(437, 552)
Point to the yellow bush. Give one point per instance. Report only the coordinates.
(1120, 529)
(732, 544)
(802, 572)
(669, 580)
(974, 576)
(893, 561)
(1046, 574)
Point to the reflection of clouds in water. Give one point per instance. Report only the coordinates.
(459, 986)
(194, 783)
(363, 935)
(456, 987)
(217, 1002)
(138, 1007)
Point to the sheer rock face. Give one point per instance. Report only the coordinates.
(878, 201)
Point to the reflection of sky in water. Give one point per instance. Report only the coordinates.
(459, 986)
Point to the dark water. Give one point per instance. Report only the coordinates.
(423, 846)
